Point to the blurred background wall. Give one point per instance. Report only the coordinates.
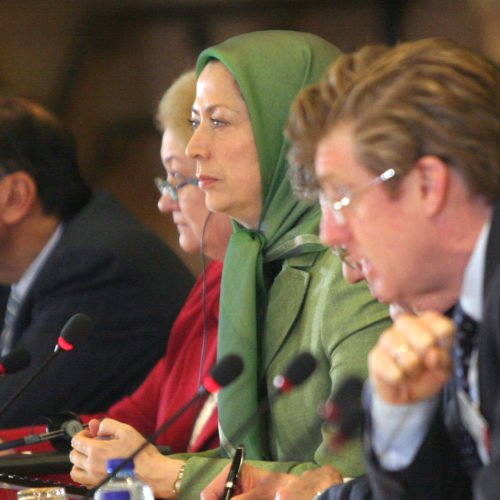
(103, 64)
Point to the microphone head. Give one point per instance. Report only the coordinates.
(77, 328)
(297, 372)
(344, 413)
(15, 361)
(223, 373)
(346, 401)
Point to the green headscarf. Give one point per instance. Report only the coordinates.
(270, 67)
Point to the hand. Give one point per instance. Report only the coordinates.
(254, 483)
(309, 484)
(412, 359)
(6, 452)
(112, 439)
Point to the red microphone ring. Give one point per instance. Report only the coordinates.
(282, 383)
(63, 344)
(211, 385)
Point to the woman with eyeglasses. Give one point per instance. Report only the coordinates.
(192, 346)
(282, 289)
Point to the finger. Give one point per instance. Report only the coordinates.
(259, 493)
(326, 473)
(215, 489)
(383, 367)
(82, 442)
(109, 427)
(94, 425)
(79, 476)
(395, 343)
(443, 328)
(437, 358)
(415, 333)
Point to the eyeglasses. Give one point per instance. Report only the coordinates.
(346, 196)
(343, 254)
(163, 184)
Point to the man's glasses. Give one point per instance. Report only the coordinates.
(345, 197)
(163, 184)
(344, 256)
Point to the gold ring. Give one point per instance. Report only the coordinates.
(401, 351)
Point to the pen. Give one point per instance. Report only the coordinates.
(234, 472)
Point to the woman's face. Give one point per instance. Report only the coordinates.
(189, 212)
(223, 146)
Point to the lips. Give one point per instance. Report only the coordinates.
(205, 181)
(178, 222)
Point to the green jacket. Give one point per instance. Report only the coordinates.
(338, 323)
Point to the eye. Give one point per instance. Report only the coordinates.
(217, 123)
(194, 123)
(341, 192)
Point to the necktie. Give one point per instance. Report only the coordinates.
(8, 323)
(466, 341)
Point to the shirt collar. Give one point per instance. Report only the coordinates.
(22, 286)
(471, 297)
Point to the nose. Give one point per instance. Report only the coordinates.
(166, 203)
(352, 274)
(331, 232)
(196, 148)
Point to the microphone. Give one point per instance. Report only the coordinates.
(15, 361)
(344, 411)
(299, 370)
(74, 331)
(223, 373)
(68, 428)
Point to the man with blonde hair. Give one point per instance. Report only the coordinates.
(407, 162)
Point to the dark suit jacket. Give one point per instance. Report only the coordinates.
(435, 473)
(131, 285)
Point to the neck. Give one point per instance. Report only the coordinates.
(457, 234)
(26, 241)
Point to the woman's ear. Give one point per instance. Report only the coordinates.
(18, 194)
(434, 176)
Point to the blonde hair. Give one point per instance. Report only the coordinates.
(174, 108)
(430, 97)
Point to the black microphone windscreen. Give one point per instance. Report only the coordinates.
(15, 361)
(226, 370)
(300, 368)
(77, 328)
(348, 396)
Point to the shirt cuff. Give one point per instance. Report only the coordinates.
(399, 430)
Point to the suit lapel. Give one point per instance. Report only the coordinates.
(486, 349)
(284, 307)
(493, 248)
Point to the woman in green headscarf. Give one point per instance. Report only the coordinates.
(282, 290)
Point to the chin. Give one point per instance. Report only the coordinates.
(189, 245)
(215, 204)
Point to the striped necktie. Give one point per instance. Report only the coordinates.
(466, 341)
(11, 311)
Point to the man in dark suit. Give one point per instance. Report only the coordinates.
(65, 250)
(405, 152)
(408, 162)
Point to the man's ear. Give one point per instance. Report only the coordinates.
(18, 195)
(434, 177)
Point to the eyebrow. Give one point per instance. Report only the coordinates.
(212, 107)
(325, 178)
(168, 159)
